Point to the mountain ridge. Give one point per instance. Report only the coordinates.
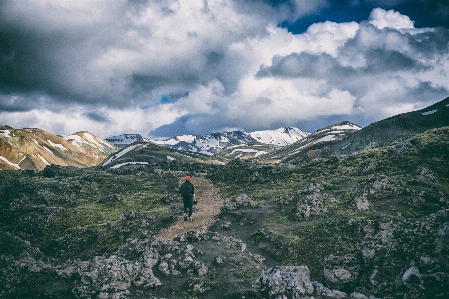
(211, 143)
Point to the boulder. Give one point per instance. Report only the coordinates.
(341, 272)
(284, 282)
(442, 246)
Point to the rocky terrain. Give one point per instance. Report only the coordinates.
(369, 224)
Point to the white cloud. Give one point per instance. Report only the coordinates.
(392, 19)
(131, 120)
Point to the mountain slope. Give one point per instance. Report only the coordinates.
(34, 149)
(248, 150)
(208, 144)
(149, 153)
(311, 143)
(282, 136)
(397, 128)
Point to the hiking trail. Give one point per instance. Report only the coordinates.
(204, 213)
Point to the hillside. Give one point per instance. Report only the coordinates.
(398, 128)
(369, 225)
(149, 153)
(250, 150)
(307, 147)
(34, 149)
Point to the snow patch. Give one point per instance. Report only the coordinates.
(128, 163)
(43, 159)
(57, 145)
(346, 146)
(10, 163)
(74, 143)
(170, 158)
(49, 150)
(6, 133)
(245, 150)
(429, 112)
(121, 153)
(259, 153)
(325, 138)
(95, 141)
(281, 136)
(347, 127)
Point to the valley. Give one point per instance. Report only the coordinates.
(295, 222)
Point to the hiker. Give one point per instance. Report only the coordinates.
(188, 193)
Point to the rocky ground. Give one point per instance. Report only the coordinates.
(369, 225)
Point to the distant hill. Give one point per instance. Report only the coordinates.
(34, 149)
(149, 153)
(397, 128)
(250, 150)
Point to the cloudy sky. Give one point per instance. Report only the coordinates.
(167, 67)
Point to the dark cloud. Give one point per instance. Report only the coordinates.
(426, 92)
(304, 65)
(144, 64)
(97, 117)
(17, 102)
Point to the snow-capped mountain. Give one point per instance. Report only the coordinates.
(34, 149)
(212, 143)
(125, 139)
(282, 136)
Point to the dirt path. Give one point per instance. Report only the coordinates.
(204, 213)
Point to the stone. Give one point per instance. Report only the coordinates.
(412, 277)
(321, 290)
(289, 281)
(442, 246)
(341, 272)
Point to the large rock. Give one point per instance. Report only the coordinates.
(309, 202)
(242, 200)
(284, 282)
(113, 276)
(321, 290)
(442, 246)
(341, 272)
(412, 278)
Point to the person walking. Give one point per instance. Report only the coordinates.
(187, 191)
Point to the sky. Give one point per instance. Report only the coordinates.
(162, 68)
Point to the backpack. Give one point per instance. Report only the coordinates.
(186, 190)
